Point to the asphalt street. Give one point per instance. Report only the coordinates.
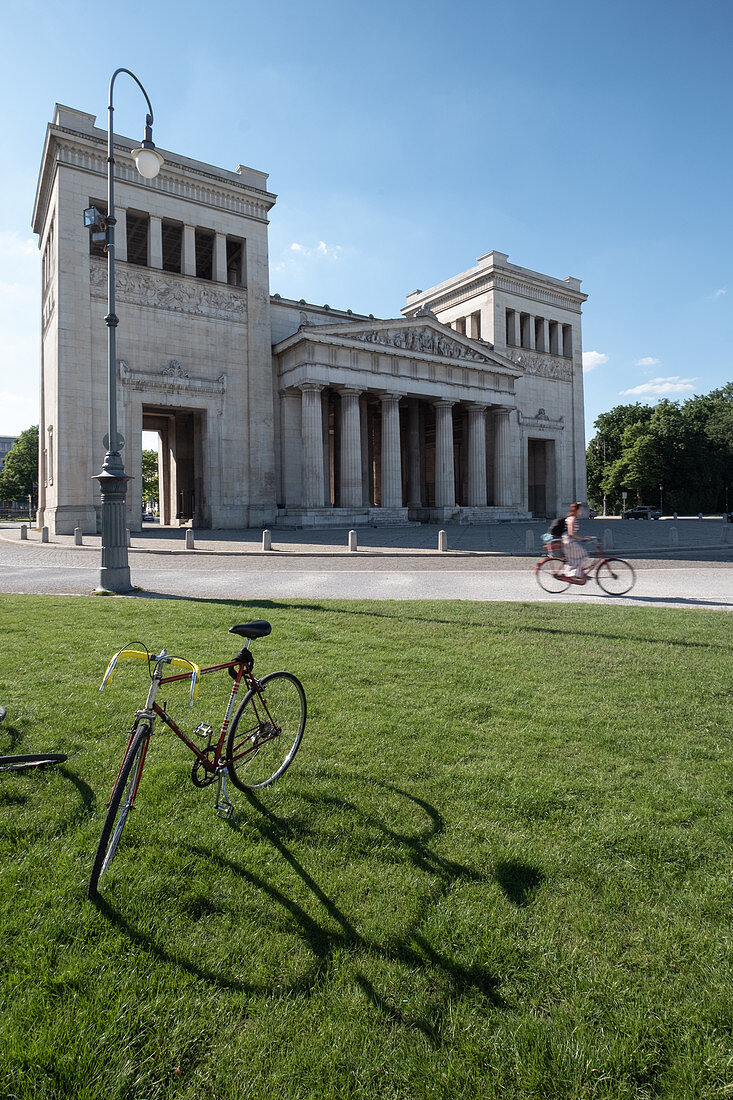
(315, 566)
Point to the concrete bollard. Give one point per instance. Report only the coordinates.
(607, 539)
(44, 534)
(352, 540)
(674, 536)
(77, 536)
(529, 540)
(189, 539)
(128, 540)
(266, 540)
(442, 541)
(23, 531)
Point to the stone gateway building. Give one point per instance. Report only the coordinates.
(466, 407)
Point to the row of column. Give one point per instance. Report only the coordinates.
(391, 457)
(523, 330)
(188, 246)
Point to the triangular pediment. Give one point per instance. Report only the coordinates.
(417, 337)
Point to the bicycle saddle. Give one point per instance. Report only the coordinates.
(257, 629)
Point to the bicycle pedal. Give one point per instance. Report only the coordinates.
(203, 730)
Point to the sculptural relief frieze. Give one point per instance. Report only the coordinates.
(422, 340)
(546, 366)
(173, 378)
(170, 292)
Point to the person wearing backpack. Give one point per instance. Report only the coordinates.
(575, 555)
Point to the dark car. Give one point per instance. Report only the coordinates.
(642, 511)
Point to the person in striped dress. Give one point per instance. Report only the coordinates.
(572, 540)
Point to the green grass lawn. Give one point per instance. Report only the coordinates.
(500, 864)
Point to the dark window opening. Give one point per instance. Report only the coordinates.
(97, 248)
(204, 254)
(172, 235)
(235, 265)
(137, 239)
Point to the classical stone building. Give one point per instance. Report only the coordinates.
(469, 406)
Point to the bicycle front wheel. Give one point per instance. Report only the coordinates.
(615, 576)
(266, 731)
(120, 804)
(549, 575)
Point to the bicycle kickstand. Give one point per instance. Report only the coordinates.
(222, 805)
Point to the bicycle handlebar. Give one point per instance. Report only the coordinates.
(180, 662)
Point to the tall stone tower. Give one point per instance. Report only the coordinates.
(533, 320)
(193, 343)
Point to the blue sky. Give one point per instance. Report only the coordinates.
(405, 139)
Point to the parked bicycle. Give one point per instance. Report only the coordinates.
(29, 760)
(613, 575)
(253, 751)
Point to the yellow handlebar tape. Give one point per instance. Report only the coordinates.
(181, 662)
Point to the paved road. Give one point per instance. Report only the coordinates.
(696, 578)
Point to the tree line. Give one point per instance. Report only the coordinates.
(19, 475)
(679, 452)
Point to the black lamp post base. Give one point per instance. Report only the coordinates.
(114, 575)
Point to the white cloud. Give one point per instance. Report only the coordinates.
(321, 249)
(719, 293)
(660, 387)
(13, 246)
(648, 361)
(593, 359)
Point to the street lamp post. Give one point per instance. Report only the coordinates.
(661, 486)
(115, 570)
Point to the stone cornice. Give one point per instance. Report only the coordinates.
(86, 152)
(173, 378)
(570, 300)
(145, 286)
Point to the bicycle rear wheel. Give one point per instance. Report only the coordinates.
(548, 574)
(33, 760)
(120, 804)
(615, 576)
(266, 731)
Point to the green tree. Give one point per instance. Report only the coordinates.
(687, 448)
(150, 477)
(19, 475)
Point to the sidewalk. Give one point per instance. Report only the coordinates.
(522, 538)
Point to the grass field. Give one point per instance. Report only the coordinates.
(500, 864)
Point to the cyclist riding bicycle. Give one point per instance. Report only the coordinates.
(575, 555)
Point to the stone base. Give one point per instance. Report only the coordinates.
(467, 515)
(64, 520)
(342, 517)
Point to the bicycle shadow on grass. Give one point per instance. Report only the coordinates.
(334, 932)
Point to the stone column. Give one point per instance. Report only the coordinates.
(445, 483)
(512, 328)
(120, 234)
(188, 259)
(477, 495)
(503, 459)
(291, 418)
(155, 242)
(350, 496)
(312, 429)
(414, 464)
(391, 455)
(363, 413)
(220, 258)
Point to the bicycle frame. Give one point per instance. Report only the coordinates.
(240, 670)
